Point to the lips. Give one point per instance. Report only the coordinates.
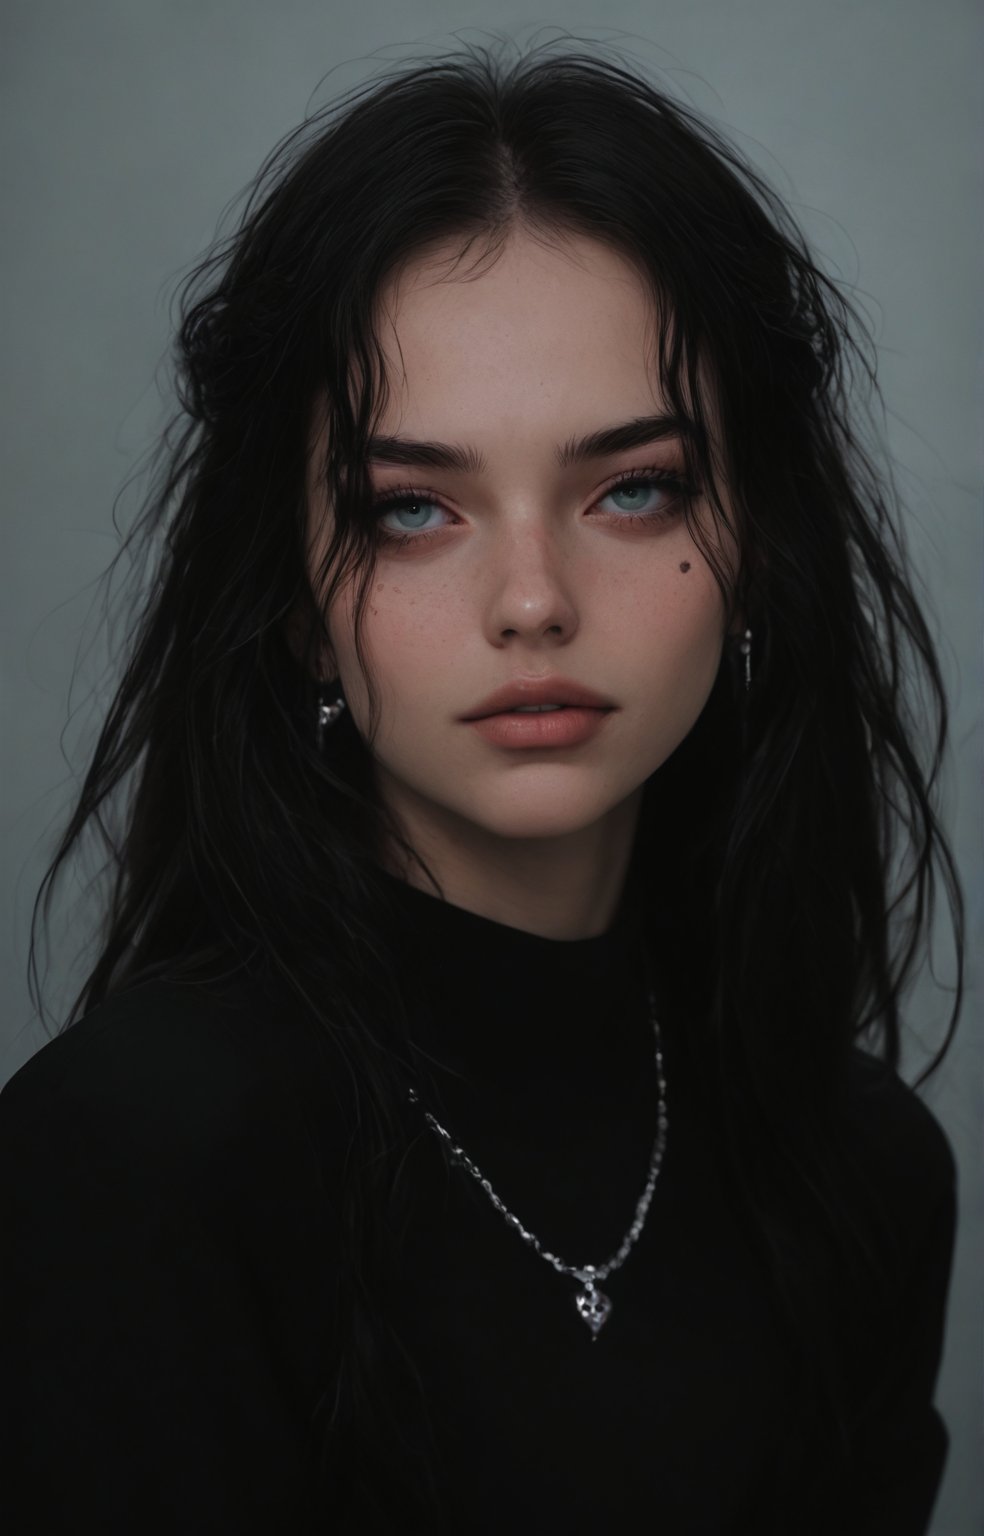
(512, 730)
(543, 690)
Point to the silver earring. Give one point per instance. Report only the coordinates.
(746, 651)
(327, 715)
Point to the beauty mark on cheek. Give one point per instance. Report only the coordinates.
(684, 565)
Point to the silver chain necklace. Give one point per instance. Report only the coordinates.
(592, 1304)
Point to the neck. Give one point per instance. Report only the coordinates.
(565, 887)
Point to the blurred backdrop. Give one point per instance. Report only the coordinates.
(130, 125)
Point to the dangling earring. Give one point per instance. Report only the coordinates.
(746, 651)
(328, 713)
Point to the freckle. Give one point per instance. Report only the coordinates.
(684, 565)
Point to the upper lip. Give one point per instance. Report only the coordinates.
(537, 690)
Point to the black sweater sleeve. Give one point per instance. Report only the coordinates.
(162, 1225)
(899, 1455)
(878, 1473)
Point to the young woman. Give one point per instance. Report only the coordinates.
(483, 1112)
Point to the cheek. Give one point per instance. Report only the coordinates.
(698, 639)
(680, 615)
(677, 659)
(408, 627)
(409, 640)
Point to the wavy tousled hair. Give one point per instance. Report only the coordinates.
(796, 821)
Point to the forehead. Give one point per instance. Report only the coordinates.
(566, 327)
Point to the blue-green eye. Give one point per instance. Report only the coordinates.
(411, 508)
(637, 485)
(406, 502)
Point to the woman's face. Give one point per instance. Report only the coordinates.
(526, 562)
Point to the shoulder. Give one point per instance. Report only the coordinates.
(158, 1056)
(901, 1156)
(166, 1071)
(886, 1113)
(171, 1264)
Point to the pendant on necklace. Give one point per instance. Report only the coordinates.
(593, 1305)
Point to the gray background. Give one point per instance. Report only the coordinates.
(129, 127)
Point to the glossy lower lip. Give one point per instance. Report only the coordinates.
(557, 728)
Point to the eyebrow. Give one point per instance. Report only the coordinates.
(468, 461)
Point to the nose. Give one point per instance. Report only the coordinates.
(530, 594)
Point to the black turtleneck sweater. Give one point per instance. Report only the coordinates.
(170, 1170)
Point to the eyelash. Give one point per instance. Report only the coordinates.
(657, 477)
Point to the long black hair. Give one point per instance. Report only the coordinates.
(784, 819)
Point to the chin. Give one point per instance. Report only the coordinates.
(539, 817)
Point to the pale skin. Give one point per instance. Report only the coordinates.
(533, 569)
